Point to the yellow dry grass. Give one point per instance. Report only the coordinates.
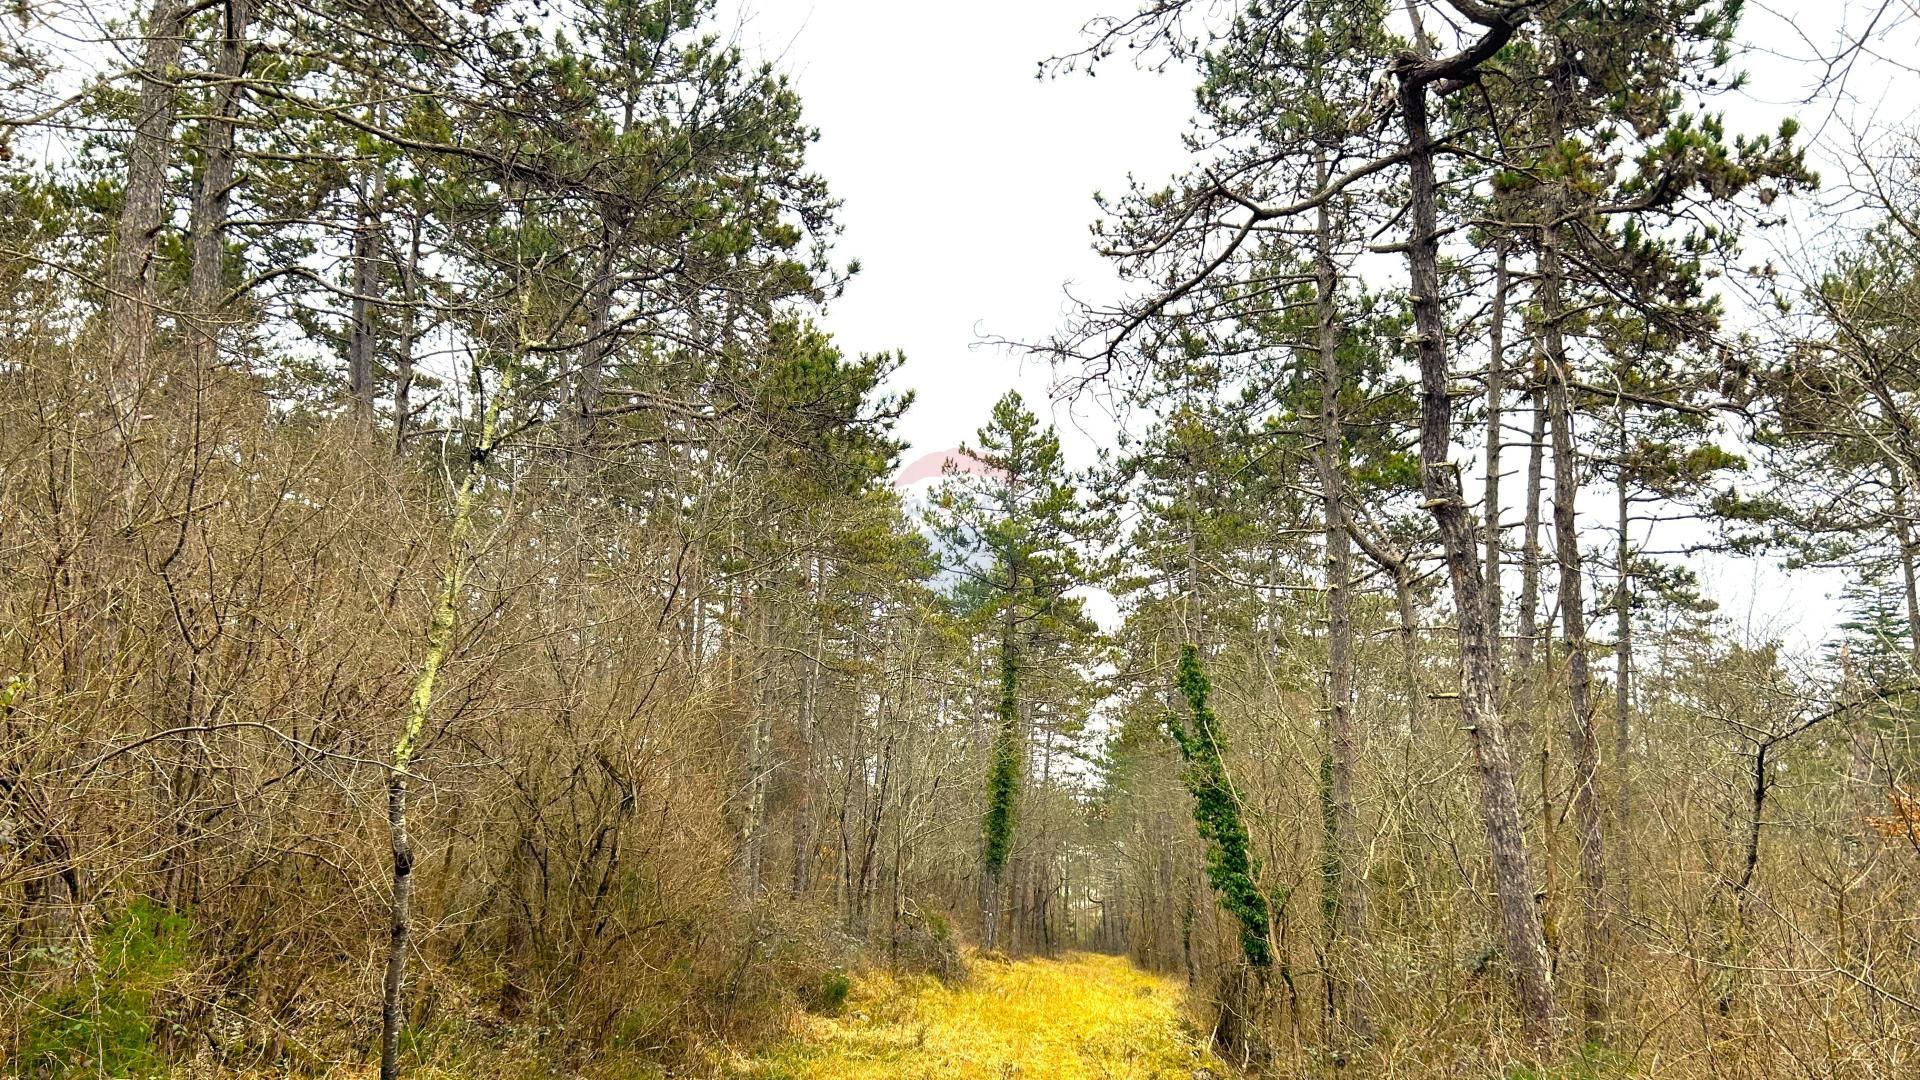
(1080, 1017)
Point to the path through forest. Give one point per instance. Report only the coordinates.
(1081, 1016)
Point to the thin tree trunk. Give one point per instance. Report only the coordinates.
(600, 333)
(1350, 919)
(1528, 628)
(409, 335)
(1440, 483)
(1903, 533)
(393, 1011)
(1409, 644)
(803, 813)
(1623, 682)
(213, 187)
(1496, 395)
(759, 752)
(1583, 746)
(1400, 566)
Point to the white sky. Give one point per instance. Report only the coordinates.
(967, 185)
(967, 182)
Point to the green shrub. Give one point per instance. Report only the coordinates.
(103, 1025)
(829, 996)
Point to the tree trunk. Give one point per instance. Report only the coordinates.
(600, 332)
(1528, 628)
(143, 209)
(1440, 483)
(363, 336)
(753, 840)
(393, 1008)
(803, 811)
(1903, 534)
(1496, 394)
(213, 187)
(409, 335)
(1003, 780)
(1350, 918)
(1583, 746)
(393, 1011)
(1623, 683)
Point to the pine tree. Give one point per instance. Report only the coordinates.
(1014, 528)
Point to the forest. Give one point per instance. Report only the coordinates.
(458, 617)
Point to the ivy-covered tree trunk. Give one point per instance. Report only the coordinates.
(1231, 870)
(1003, 787)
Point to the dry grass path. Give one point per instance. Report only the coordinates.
(1080, 1017)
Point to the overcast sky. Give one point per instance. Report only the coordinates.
(968, 187)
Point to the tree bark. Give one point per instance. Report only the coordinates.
(1583, 746)
(1903, 534)
(600, 332)
(143, 209)
(803, 811)
(363, 336)
(1350, 919)
(1440, 483)
(409, 334)
(753, 840)
(1496, 402)
(393, 1011)
(1528, 627)
(214, 186)
(393, 1008)
(1623, 682)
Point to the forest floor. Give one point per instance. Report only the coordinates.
(1080, 1016)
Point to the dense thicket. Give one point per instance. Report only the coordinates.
(453, 608)
(1652, 846)
(438, 540)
